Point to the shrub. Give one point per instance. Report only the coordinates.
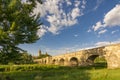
(8, 68)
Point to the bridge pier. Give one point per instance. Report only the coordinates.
(113, 56)
(86, 57)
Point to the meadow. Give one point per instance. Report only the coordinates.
(51, 72)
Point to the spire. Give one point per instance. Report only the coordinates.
(39, 53)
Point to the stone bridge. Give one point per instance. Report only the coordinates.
(86, 57)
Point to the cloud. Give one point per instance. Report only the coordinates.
(69, 3)
(77, 3)
(98, 4)
(1, 48)
(83, 4)
(75, 13)
(114, 31)
(117, 41)
(102, 31)
(97, 26)
(62, 50)
(54, 12)
(42, 31)
(23, 0)
(89, 30)
(102, 43)
(75, 35)
(111, 19)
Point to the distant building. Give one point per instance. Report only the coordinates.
(41, 55)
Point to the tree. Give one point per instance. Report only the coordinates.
(25, 58)
(18, 25)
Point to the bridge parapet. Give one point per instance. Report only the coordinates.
(87, 57)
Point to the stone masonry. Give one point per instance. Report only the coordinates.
(86, 57)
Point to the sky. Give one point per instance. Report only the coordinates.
(73, 25)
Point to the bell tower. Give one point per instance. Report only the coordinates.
(39, 53)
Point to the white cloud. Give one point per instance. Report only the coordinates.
(83, 4)
(23, 0)
(1, 47)
(98, 4)
(54, 29)
(75, 13)
(102, 31)
(75, 35)
(117, 41)
(102, 43)
(89, 30)
(97, 26)
(111, 19)
(42, 31)
(114, 31)
(77, 3)
(58, 18)
(52, 18)
(62, 50)
(69, 3)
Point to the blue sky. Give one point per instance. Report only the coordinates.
(72, 25)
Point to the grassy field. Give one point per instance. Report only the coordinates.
(59, 73)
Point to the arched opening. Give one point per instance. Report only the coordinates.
(97, 60)
(90, 60)
(45, 61)
(74, 61)
(100, 61)
(54, 61)
(40, 62)
(61, 62)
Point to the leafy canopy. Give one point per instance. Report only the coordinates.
(18, 25)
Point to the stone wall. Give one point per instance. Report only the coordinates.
(86, 57)
(113, 56)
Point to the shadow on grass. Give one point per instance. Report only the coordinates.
(65, 73)
(3, 77)
(59, 73)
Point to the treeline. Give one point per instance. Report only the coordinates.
(20, 58)
(13, 58)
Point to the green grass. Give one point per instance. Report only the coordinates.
(63, 73)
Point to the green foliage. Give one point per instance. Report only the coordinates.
(50, 72)
(32, 67)
(25, 58)
(9, 58)
(3, 77)
(19, 58)
(18, 25)
(100, 60)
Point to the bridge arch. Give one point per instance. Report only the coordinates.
(91, 58)
(62, 62)
(73, 61)
(45, 62)
(54, 61)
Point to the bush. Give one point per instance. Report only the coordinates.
(2, 77)
(8, 68)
